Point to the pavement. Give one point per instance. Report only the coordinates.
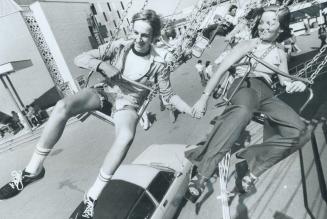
(75, 161)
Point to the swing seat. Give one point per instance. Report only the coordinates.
(105, 114)
(200, 45)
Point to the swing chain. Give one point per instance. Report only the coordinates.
(117, 28)
(319, 68)
(310, 63)
(195, 20)
(178, 53)
(145, 4)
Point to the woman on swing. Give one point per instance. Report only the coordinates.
(136, 60)
(254, 95)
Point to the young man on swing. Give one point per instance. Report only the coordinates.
(253, 95)
(136, 60)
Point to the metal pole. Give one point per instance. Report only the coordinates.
(278, 71)
(14, 90)
(16, 104)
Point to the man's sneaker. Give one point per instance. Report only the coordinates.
(85, 209)
(20, 180)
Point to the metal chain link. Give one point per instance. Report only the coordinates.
(314, 59)
(194, 24)
(174, 12)
(144, 5)
(115, 35)
(117, 28)
(178, 52)
(266, 52)
(319, 68)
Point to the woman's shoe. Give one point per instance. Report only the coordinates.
(244, 180)
(248, 182)
(196, 187)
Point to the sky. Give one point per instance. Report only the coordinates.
(167, 7)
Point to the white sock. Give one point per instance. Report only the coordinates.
(98, 185)
(36, 163)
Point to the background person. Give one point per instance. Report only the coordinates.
(200, 69)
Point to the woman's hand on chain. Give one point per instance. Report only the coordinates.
(294, 86)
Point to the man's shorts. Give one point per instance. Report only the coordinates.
(111, 102)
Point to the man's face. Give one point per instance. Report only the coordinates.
(142, 36)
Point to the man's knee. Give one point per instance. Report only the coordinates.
(62, 108)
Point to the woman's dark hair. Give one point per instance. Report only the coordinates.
(152, 18)
(171, 32)
(232, 7)
(284, 17)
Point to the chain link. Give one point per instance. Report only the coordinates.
(115, 35)
(194, 24)
(319, 68)
(145, 4)
(310, 63)
(194, 19)
(168, 22)
(117, 28)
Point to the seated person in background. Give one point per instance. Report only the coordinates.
(208, 70)
(200, 69)
(16, 119)
(221, 26)
(230, 17)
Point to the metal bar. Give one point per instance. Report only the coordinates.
(137, 84)
(320, 172)
(239, 84)
(14, 90)
(304, 186)
(278, 71)
(307, 101)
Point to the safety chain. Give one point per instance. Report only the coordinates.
(286, 2)
(194, 24)
(319, 68)
(115, 35)
(144, 5)
(178, 50)
(309, 64)
(174, 12)
(267, 51)
(117, 28)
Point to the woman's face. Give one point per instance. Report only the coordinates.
(142, 36)
(269, 27)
